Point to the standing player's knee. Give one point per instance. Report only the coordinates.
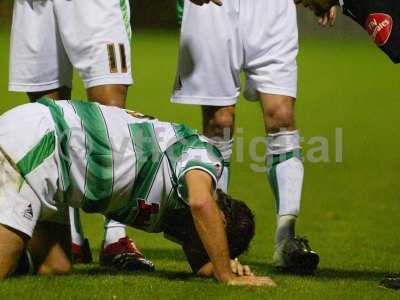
(219, 121)
(280, 117)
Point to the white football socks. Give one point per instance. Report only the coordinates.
(285, 174)
(285, 228)
(77, 235)
(113, 231)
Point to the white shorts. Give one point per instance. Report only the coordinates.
(259, 37)
(50, 37)
(29, 170)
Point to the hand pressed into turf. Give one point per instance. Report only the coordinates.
(252, 281)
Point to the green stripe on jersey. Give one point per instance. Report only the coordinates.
(126, 17)
(99, 160)
(63, 133)
(37, 154)
(148, 158)
(148, 161)
(183, 131)
(179, 10)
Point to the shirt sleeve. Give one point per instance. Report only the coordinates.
(195, 154)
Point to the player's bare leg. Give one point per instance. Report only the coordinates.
(218, 127)
(62, 93)
(110, 94)
(285, 173)
(12, 243)
(50, 248)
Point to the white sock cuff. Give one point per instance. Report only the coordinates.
(113, 224)
(283, 142)
(224, 146)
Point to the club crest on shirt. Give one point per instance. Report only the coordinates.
(379, 27)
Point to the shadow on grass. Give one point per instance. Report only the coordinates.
(162, 253)
(162, 274)
(323, 273)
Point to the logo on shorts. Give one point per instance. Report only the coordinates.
(379, 27)
(28, 213)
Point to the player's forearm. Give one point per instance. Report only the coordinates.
(209, 224)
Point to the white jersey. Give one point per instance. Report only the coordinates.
(105, 160)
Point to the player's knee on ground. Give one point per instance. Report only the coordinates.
(50, 247)
(60, 267)
(218, 121)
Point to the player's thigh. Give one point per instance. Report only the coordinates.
(19, 211)
(98, 41)
(210, 56)
(109, 94)
(38, 61)
(271, 47)
(50, 248)
(12, 243)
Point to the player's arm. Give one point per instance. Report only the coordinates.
(209, 224)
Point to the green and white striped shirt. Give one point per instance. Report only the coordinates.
(128, 168)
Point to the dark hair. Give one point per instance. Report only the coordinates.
(240, 225)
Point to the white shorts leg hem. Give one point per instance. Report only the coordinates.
(14, 226)
(252, 95)
(209, 101)
(105, 80)
(30, 88)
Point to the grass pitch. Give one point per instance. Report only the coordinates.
(350, 209)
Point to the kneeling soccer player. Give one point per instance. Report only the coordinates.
(155, 176)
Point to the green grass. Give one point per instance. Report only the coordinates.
(350, 210)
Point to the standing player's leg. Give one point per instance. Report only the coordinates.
(271, 71)
(285, 174)
(218, 127)
(208, 72)
(109, 94)
(98, 46)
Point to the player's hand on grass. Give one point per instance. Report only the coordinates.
(252, 281)
(239, 269)
(201, 2)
